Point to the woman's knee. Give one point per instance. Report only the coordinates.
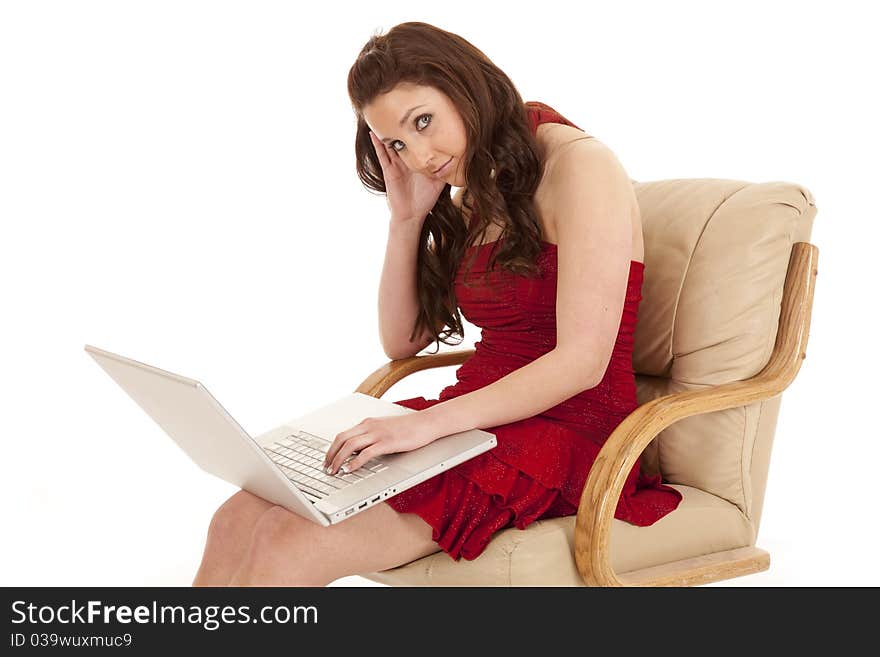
(237, 515)
(377, 539)
(275, 528)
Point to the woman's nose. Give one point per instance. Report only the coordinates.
(424, 159)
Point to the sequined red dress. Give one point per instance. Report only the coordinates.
(540, 465)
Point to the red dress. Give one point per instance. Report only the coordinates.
(540, 465)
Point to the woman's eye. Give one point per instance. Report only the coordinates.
(418, 118)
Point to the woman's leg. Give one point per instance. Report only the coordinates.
(228, 537)
(287, 550)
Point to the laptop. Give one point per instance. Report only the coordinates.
(283, 465)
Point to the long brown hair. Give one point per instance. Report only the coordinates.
(498, 137)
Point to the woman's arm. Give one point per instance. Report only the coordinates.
(398, 301)
(532, 389)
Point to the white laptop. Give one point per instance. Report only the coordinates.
(283, 465)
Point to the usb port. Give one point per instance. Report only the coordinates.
(376, 499)
(362, 505)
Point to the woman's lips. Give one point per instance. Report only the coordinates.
(443, 168)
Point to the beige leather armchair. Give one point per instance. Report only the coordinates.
(722, 330)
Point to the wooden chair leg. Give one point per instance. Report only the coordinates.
(700, 570)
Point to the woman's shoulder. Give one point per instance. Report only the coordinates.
(553, 139)
(554, 134)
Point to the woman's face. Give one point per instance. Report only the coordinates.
(422, 125)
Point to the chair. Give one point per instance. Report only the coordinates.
(722, 330)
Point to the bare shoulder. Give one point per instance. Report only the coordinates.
(552, 136)
(571, 161)
(592, 168)
(569, 154)
(558, 141)
(553, 139)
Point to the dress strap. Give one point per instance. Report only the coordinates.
(539, 113)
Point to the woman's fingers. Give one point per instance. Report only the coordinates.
(364, 456)
(357, 430)
(347, 449)
(381, 152)
(389, 160)
(379, 148)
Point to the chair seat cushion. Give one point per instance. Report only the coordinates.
(543, 553)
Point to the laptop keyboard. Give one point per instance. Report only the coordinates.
(300, 457)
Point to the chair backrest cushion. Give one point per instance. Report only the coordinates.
(716, 256)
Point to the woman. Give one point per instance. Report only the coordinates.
(541, 246)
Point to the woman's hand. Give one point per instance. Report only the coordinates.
(410, 194)
(375, 436)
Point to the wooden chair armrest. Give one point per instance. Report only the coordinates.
(377, 383)
(616, 458)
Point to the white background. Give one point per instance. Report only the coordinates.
(177, 184)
